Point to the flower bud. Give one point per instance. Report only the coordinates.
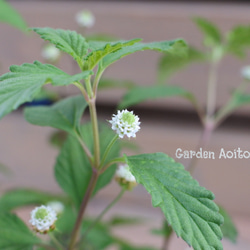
(125, 178)
(85, 19)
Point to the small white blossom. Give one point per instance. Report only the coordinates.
(85, 19)
(50, 53)
(124, 177)
(43, 218)
(245, 72)
(125, 123)
(57, 206)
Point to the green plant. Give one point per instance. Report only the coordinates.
(88, 158)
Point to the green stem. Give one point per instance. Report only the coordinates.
(89, 88)
(108, 149)
(57, 243)
(90, 189)
(97, 79)
(82, 89)
(114, 161)
(94, 121)
(85, 148)
(211, 91)
(111, 204)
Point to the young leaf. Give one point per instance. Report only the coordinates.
(65, 40)
(228, 228)
(139, 94)
(101, 49)
(73, 170)
(14, 234)
(174, 46)
(23, 197)
(210, 31)
(170, 63)
(23, 82)
(9, 15)
(65, 114)
(187, 206)
(238, 40)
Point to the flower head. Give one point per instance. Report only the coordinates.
(245, 72)
(57, 206)
(125, 123)
(124, 177)
(43, 219)
(51, 53)
(85, 19)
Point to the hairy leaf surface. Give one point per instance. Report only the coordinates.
(188, 207)
(23, 82)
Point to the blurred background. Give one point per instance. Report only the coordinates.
(167, 124)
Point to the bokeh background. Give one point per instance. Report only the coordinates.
(167, 124)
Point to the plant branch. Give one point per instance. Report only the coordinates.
(117, 198)
(116, 160)
(107, 150)
(86, 198)
(82, 89)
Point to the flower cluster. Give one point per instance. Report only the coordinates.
(43, 219)
(85, 19)
(245, 72)
(125, 123)
(124, 177)
(50, 53)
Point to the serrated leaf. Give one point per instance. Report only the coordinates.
(14, 234)
(140, 94)
(65, 114)
(23, 82)
(22, 197)
(212, 35)
(9, 15)
(187, 206)
(170, 63)
(173, 46)
(102, 49)
(66, 40)
(228, 228)
(73, 170)
(238, 40)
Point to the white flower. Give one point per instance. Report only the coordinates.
(57, 206)
(245, 72)
(50, 53)
(43, 218)
(125, 123)
(85, 19)
(124, 177)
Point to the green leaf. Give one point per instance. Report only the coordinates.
(238, 40)
(23, 82)
(174, 46)
(171, 63)
(98, 238)
(73, 170)
(102, 49)
(140, 94)
(212, 35)
(187, 206)
(165, 231)
(22, 197)
(14, 234)
(65, 114)
(111, 83)
(9, 15)
(66, 40)
(122, 220)
(228, 228)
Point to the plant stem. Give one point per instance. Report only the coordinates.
(107, 150)
(84, 93)
(57, 243)
(116, 160)
(87, 196)
(166, 243)
(117, 198)
(94, 121)
(97, 79)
